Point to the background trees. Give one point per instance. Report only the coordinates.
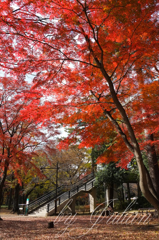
(20, 131)
(113, 177)
(109, 88)
(68, 165)
(58, 168)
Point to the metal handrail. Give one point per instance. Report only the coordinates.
(45, 194)
(44, 199)
(85, 179)
(53, 195)
(86, 186)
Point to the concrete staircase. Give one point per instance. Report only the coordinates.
(45, 205)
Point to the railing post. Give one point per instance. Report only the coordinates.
(69, 194)
(77, 188)
(48, 207)
(59, 201)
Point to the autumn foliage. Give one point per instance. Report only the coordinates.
(20, 133)
(96, 62)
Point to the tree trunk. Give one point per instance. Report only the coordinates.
(111, 194)
(10, 198)
(145, 183)
(16, 198)
(1, 193)
(128, 189)
(2, 197)
(3, 180)
(153, 164)
(122, 193)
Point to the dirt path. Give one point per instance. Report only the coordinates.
(21, 227)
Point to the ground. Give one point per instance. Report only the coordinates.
(16, 227)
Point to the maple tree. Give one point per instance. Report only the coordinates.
(99, 62)
(20, 133)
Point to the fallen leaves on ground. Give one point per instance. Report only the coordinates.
(78, 227)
